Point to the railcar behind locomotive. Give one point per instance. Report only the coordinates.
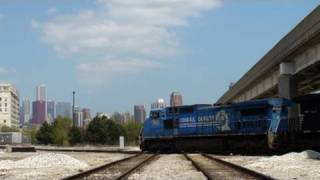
(254, 125)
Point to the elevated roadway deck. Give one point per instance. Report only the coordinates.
(290, 68)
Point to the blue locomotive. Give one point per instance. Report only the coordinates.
(247, 126)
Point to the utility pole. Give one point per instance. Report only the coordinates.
(73, 97)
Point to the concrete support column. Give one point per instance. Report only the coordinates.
(288, 88)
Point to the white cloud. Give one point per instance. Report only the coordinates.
(52, 11)
(125, 29)
(5, 71)
(92, 72)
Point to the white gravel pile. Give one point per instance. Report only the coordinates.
(46, 160)
(42, 166)
(169, 167)
(304, 165)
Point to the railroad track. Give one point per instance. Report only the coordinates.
(215, 168)
(117, 170)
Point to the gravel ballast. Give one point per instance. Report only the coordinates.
(41, 166)
(47, 160)
(304, 165)
(170, 167)
(46, 165)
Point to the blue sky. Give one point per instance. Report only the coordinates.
(117, 53)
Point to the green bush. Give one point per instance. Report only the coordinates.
(45, 134)
(76, 135)
(32, 133)
(103, 131)
(8, 129)
(61, 127)
(132, 129)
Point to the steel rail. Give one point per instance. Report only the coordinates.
(229, 166)
(137, 167)
(98, 168)
(94, 170)
(198, 167)
(239, 168)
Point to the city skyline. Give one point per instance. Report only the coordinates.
(194, 46)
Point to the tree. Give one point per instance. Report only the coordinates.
(76, 135)
(114, 131)
(103, 131)
(118, 117)
(44, 135)
(32, 133)
(9, 129)
(132, 129)
(122, 118)
(61, 127)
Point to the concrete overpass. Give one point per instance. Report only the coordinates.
(290, 68)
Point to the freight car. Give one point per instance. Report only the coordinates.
(259, 125)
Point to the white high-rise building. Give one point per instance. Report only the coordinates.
(41, 93)
(9, 105)
(78, 119)
(26, 111)
(51, 109)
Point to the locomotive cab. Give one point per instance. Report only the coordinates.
(307, 125)
(140, 139)
(278, 130)
(152, 129)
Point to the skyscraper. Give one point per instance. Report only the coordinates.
(139, 113)
(41, 96)
(38, 112)
(63, 109)
(21, 122)
(41, 93)
(118, 117)
(78, 117)
(9, 105)
(25, 112)
(86, 113)
(86, 116)
(175, 99)
(51, 111)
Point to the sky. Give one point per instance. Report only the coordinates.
(117, 53)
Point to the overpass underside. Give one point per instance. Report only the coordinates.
(289, 69)
(303, 79)
(309, 80)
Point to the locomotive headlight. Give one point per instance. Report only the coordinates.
(276, 108)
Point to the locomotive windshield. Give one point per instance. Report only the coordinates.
(154, 115)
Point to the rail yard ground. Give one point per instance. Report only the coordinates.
(57, 165)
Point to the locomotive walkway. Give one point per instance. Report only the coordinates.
(117, 170)
(214, 168)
